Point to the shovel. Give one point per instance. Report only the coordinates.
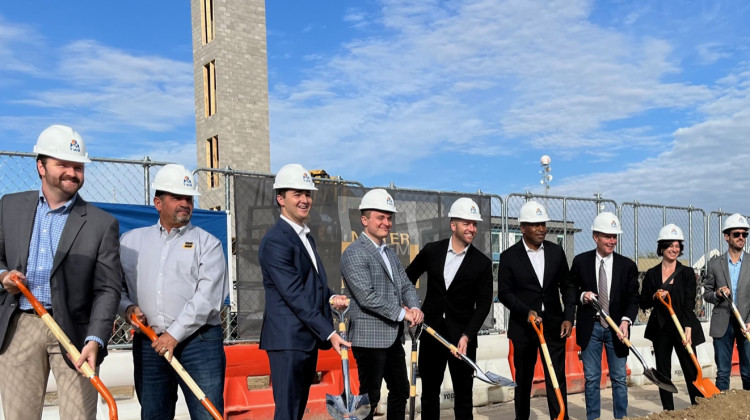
(87, 370)
(651, 374)
(489, 377)
(550, 369)
(355, 407)
(704, 385)
(177, 366)
(414, 333)
(737, 315)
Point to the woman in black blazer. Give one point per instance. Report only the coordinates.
(671, 276)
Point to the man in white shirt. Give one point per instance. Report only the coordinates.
(175, 281)
(458, 299)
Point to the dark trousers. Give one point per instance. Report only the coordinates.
(433, 357)
(663, 345)
(524, 361)
(374, 366)
(292, 373)
(202, 356)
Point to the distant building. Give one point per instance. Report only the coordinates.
(231, 91)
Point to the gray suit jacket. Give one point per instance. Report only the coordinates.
(376, 298)
(86, 273)
(717, 276)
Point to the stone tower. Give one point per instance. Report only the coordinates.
(231, 91)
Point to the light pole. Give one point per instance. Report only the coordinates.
(546, 173)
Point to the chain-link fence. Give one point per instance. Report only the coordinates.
(249, 200)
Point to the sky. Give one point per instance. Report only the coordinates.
(645, 100)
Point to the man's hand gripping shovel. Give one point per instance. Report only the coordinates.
(704, 385)
(489, 377)
(652, 374)
(177, 366)
(85, 368)
(737, 315)
(550, 369)
(355, 407)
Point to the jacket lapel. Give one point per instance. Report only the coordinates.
(523, 257)
(369, 245)
(289, 230)
(76, 220)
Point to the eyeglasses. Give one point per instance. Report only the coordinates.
(738, 234)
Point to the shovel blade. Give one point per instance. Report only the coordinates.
(659, 380)
(336, 407)
(359, 407)
(495, 379)
(706, 387)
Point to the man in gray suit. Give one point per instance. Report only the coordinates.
(382, 297)
(66, 252)
(728, 278)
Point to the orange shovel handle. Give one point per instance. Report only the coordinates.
(87, 370)
(548, 360)
(177, 366)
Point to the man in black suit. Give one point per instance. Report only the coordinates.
(459, 296)
(532, 276)
(613, 279)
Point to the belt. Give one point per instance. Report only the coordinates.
(33, 312)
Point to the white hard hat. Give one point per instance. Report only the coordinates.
(735, 221)
(62, 142)
(607, 222)
(466, 209)
(175, 179)
(671, 232)
(293, 177)
(533, 212)
(378, 199)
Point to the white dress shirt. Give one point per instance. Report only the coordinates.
(453, 261)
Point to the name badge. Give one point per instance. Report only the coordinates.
(187, 245)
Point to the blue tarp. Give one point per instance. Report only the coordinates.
(133, 216)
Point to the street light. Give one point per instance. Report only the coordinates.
(545, 172)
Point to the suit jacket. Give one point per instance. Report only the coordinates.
(519, 290)
(623, 294)
(717, 276)
(297, 315)
(465, 304)
(376, 298)
(683, 303)
(86, 276)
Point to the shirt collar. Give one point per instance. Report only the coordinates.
(451, 251)
(729, 257)
(528, 249)
(605, 259)
(65, 208)
(301, 230)
(380, 247)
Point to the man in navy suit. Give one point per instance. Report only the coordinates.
(532, 276)
(459, 297)
(297, 318)
(613, 279)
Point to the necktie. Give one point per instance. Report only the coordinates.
(603, 292)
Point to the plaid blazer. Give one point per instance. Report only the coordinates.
(376, 298)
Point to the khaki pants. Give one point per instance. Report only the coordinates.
(31, 351)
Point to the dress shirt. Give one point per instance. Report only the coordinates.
(453, 261)
(302, 231)
(48, 227)
(608, 260)
(177, 278)
(734, 274)
(381, 250)
(536, 256)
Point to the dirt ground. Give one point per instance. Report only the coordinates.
(732, 405)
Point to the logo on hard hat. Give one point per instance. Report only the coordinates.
(613, 224)
(187, 182)
(674, 231)
(74, 145)
(742, 220)
(539, 212)
(473, 210)
(388, 200)
(306, 178)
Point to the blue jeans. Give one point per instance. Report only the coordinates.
(592, 372)
(723, 349)
(202, 356)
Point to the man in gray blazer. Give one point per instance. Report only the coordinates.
(66, 252)
(382, 297)
(728, 278)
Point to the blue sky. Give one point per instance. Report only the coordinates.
(640, 100)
